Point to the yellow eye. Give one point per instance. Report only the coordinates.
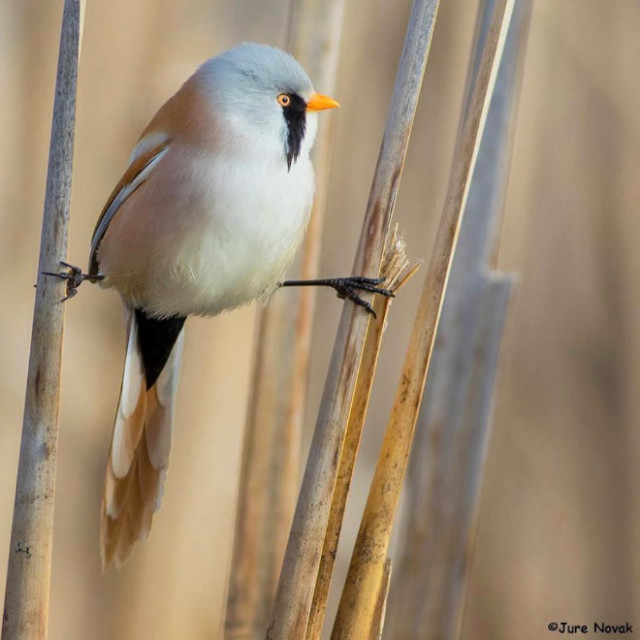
(284, 100)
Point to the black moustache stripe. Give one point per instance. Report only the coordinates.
(295, 115)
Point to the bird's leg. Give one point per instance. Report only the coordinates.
(74, 278)
(346, 288)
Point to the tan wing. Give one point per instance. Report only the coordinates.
(174, 120)
(139, 170)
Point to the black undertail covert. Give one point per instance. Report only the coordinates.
(156, 337)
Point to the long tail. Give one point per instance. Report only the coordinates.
(139, 453)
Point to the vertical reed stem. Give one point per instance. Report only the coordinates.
(366, 571)
(393, 270)
(26, 605)
(302, 558)
(380, 611)
(445, 470)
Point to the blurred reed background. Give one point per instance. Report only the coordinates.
(557, 521)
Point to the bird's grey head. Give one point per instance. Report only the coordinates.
(264, 93)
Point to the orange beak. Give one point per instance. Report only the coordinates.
(318, 102)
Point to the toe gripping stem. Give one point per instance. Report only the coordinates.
(347, 287)
(74, 278)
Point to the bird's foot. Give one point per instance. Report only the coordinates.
(347, 287)
(74, 277)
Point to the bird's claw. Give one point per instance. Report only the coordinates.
(74, 278)
(346, 288)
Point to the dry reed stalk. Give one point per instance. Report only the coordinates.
(315, 33)
(366, 571)
(446, 461)
(394, 270)
(271, 452)
(26, 605)
(302, 558)
(380, 611)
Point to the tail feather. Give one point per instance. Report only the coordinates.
(139, 454)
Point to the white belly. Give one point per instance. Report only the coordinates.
(249, 239)
(214, 238)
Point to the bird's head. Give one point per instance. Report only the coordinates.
(265, 96)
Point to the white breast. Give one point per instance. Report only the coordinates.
(254, 218)
(221, 234)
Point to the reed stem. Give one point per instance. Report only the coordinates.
(304, 549)
(394, 270)
(445, 470)
(26, 605)
(366, 571)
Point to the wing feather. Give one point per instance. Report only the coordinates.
(148, 152)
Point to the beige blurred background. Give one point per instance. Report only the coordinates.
(558, 517)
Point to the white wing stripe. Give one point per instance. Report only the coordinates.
(121, 196)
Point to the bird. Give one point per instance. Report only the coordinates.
(207, 217)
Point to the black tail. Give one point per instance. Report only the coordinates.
(156, 338)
